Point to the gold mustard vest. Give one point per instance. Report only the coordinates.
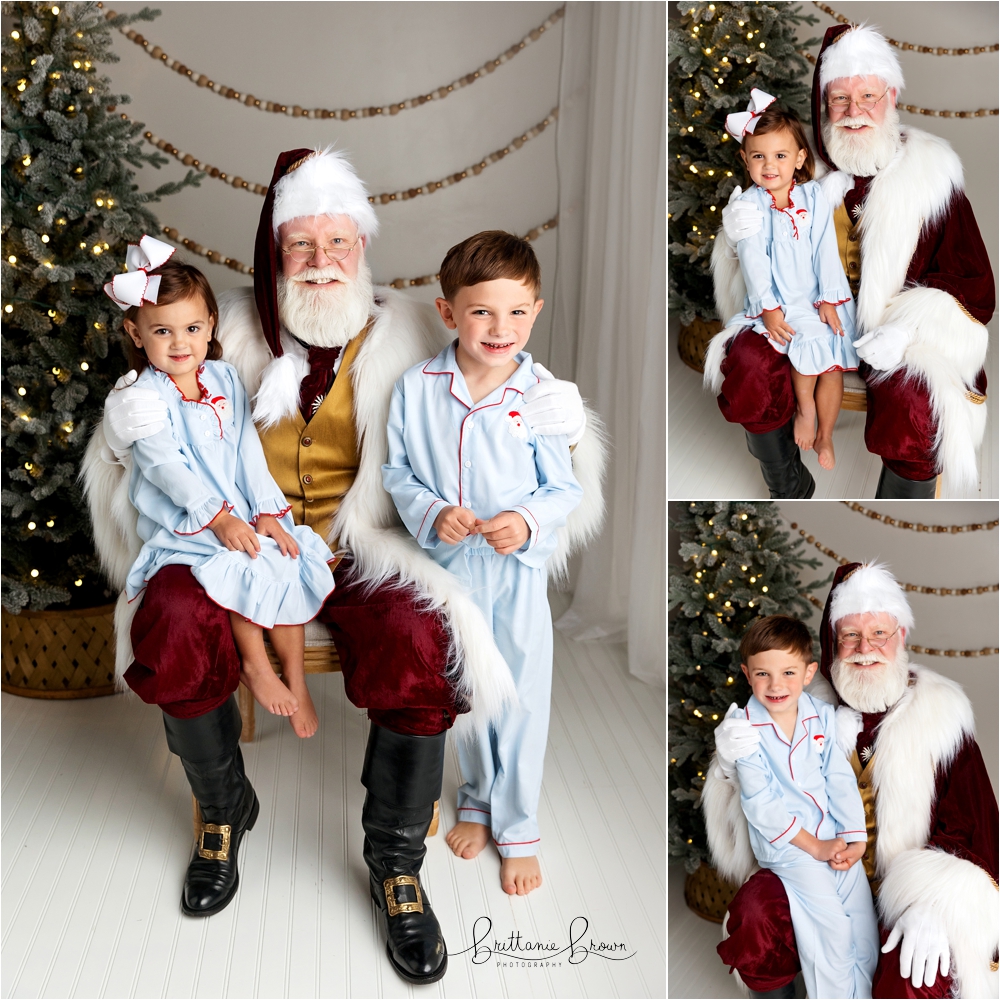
(849, 245)
(315, 463)
(865, 776)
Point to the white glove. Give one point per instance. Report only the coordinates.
(131, 413)
(924, 950)
(735, 738)
(554, 406)
(740, 219)
(883, 348)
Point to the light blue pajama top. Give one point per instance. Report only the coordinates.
(793, 263)
(445, 450)
(805, 782)
(206, 458)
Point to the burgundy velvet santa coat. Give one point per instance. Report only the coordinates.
(935, 845)
(924, 267)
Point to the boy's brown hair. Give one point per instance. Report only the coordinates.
(178, 281)
(779, 119)
(487, 256)
(777, 632)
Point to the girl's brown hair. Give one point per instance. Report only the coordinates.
(779, 119)
(178, 281)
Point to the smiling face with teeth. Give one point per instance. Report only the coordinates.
(493, 320)
(777, 677)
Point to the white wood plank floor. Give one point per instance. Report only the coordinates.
(708, 457)
(96, 834)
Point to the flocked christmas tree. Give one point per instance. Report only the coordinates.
(739, 564)
(718, 52)
(70, 207)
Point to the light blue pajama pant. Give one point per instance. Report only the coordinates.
(502, 769)
(836, 931)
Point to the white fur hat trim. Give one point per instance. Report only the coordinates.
(862, 51)
(323, 184)
(871, 588)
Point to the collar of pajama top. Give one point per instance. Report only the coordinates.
(446, 363)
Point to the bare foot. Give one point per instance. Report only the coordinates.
(520, 875)
(467, 839)
(805, 429)
(268, 689)
(824, 451)
(305, 722)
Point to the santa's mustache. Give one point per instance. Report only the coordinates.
(865, 659)
(320, 274)
(855, 122)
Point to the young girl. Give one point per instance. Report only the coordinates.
(201, 486)
(797, 293)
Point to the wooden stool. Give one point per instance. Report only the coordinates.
(855, 393)
(321, 658)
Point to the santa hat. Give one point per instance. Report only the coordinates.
(860, 588)
(850, 51)
(305, 182)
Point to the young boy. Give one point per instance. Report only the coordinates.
(806, 819)
(484, 495)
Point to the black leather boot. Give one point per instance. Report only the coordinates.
(209, 749)
(780, 464)
(893, 487)
(781, 993)
(403, 777)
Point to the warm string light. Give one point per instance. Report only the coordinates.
(384, 198)
(344, 114)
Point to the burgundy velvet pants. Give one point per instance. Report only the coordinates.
(392, 654)
(761, 945)
(757, 392)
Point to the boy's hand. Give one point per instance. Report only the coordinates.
(453, 524)
(843, 860)
(505, 533)
(821, 850)
(236, 535)
(269, 525)
(777, 329)
(828, 314)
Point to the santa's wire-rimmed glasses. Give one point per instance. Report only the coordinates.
(851, 639)
(843, 103)
(302, 251)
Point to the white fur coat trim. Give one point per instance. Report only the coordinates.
(726, 826)
(963, 896)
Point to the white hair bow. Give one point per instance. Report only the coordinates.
(738, 124)
(136, 285)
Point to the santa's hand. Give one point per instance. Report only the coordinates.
(924, 951)
(740, 219)
(735, 738)
(554, 406)
(131, 413)
(883, 348)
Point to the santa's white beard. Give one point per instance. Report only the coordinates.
(866, 152)
(871, 689)
(323, 316)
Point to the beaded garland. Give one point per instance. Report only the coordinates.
(387, 197)
(235, 265)
(344, 114)
(916, 526)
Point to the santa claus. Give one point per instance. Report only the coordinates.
(920, 274)
(930, 811)
(319, 349)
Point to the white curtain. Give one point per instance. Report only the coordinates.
(609, 327)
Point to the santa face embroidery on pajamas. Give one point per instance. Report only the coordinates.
(818, 740)
(515, 425)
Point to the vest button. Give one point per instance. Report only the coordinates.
(853, 266)
(307, 479)
(853, 237)
(862, 784)
(306, 442)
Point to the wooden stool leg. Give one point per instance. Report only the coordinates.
(196, 810)
(246, 703)
(433, 828)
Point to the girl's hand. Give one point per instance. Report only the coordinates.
(828, 314)
(505, 533)
(268, 525)
(236, 535)
(453, 523)
(777, 329)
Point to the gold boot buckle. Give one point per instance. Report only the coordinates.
(224, 831)
(391, 884)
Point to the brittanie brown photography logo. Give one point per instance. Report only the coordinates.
(514, 950)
